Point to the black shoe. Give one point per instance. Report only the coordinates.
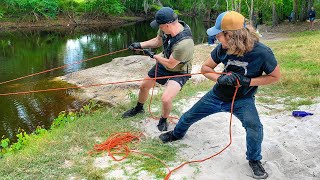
(132, 112)
(258, 171)
(163, 125)
(168, 137)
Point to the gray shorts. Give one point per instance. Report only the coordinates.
(162, 71)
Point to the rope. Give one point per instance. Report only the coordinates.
(49, 70)
(117, 143)
(230, 140)
(93, 85)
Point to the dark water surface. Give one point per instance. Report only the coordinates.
(27, 52)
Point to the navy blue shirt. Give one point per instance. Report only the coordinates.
(312, 14)
(252, 64)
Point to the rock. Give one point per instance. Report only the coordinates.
(118, 70)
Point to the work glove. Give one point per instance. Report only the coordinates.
(148, 52)
(243, 80)
(135, 45)
(228, 79)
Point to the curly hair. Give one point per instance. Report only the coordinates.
(241, 41)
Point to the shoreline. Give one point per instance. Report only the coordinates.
(68, 23)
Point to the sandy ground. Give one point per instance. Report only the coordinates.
(290, 148)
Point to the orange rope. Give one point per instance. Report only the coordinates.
(118, 141)
(93, 85)
(117, 144)
(49, 70)
(230, 140)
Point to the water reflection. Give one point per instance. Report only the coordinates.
(24, 53)
(73, 53)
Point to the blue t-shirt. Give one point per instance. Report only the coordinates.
(252, 64)
(312, 14)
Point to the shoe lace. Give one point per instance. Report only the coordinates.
(257, 166)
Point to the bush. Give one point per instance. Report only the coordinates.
(37, 8)
(103, 7)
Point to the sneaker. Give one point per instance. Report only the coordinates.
(132, 112)
(168, 137)
(163, 125)
(258, 171)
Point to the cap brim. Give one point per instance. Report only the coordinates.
(213, 31)
(154, 24)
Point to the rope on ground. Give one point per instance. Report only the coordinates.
(119, 142)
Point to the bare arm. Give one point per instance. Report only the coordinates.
(208, 67)
(170, 63)
(152, 43)
(273, 77)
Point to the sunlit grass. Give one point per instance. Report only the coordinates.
(299, 60)
(79, 1)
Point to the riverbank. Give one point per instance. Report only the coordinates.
(66, 23)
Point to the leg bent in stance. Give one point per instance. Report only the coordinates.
(142, 98)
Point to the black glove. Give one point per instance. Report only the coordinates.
(148, 52)
(135, 45)
(227, 79)
(243, 80)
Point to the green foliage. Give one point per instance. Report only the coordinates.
(5, 143)
(94, 8)
(103, 7)
(1, 13)
(64, 118)
(90, 107)
(69, 6)
(36, 8)
(6, 148)
(132, 96)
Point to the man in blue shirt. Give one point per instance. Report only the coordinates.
(245, 60)
(312, 17)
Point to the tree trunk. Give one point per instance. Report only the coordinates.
(145, 6)
(310, 4)
(275, 20)
(158, 2)
(232, 4)
(252, 14)
(304, 10)
(295, 11)
(239, 7)
(227, 5)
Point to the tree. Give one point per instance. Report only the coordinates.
(275, 19)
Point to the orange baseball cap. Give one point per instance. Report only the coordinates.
(229, 20)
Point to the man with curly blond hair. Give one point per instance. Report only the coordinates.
(245, 61)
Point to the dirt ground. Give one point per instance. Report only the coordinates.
(286, 27)
(65, 22)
